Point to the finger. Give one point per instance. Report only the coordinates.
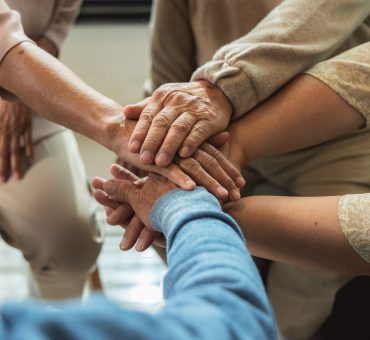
(15, 161)
(146, 238)
(157, 132)
(28, 146)
(174, 139)
(141, 130)
(102, 198)
(121, 172)
(4, 160)
(176, 175)
(199, 133)
(134, 111)
(229, 168)
(121, 215)
(213, 167)
(160, 241)
(201, 177)
(220, 139)
(132, 233)
(121, 190)
(98, 182)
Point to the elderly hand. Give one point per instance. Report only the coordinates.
(128, 201)
(177, 117)
(207, 167)
(15, 128)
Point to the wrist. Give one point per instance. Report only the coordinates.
(217, 96)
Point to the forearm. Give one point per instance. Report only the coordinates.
(56, 93)
(294, 36)
(304, 113)
(210, 268)
(300, 231)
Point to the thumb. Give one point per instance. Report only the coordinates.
(134, 111)
(121, 190)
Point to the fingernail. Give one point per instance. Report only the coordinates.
(190, 184)
(222, 192)
(109, 188)
(240, 182)
(162, 159)
(140, 245)
(124, 244)
(184, 152)
(134, 146)
(147, 157)
(235, 194)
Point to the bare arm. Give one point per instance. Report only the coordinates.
(296, 230)
(304, 113)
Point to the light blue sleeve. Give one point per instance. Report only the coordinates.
(212, 288)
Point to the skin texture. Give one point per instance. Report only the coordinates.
(306, 112)
(177, 117)
(56, 93)
(126, 195)
(15, 128)
(295, 230)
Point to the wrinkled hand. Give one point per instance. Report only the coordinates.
(15, 127)
(208, 167)
(177, 117)
(128, 202)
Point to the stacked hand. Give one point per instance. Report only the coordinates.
(172, 129)
(128, 201)
(207, 167)
(177, 117)
(15, 128)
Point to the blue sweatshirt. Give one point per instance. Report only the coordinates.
(212, 287)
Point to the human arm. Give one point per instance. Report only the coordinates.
(16, 118)
(290, 39)
(213, 289)
(67, 100)
(331, 101)
(293, 37)
(65, 14)
(309, 232)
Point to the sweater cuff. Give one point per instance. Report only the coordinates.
(233, 82)
(11, 33)
(178, 204)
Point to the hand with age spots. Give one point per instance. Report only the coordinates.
(177, 119)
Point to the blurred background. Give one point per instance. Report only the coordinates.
(107, 48)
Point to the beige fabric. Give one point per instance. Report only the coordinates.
(297, 33)
(295, 36)
(354, 217)
(349, 75)
(11, 30)
(50, 217)
(49, 18)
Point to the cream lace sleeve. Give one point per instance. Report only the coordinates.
(354, 218)
(348, 74)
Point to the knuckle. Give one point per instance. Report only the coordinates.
(180, 127)
(146, 117)
(191, 166)
(209, 162)
(162, 122)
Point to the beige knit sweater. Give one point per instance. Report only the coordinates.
(271, 42)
